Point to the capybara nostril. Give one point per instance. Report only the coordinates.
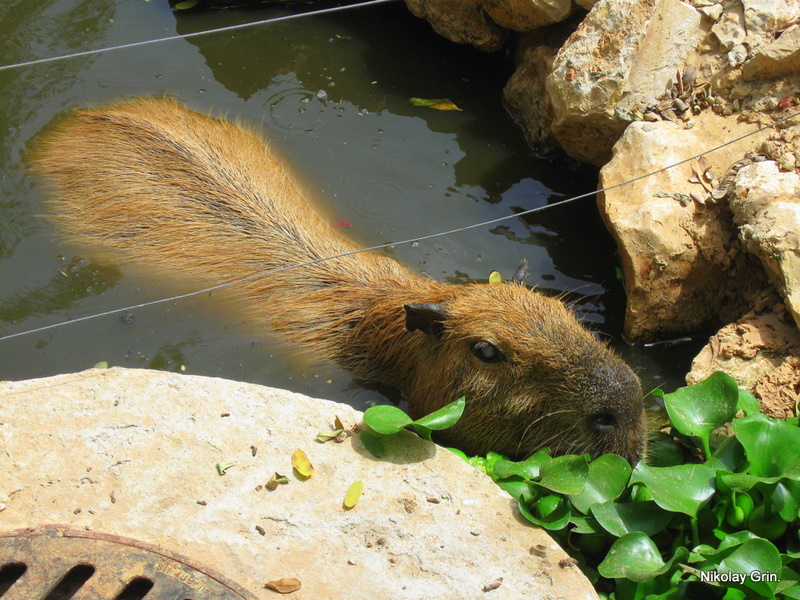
(602, 423)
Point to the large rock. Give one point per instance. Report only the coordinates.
(527, 15)
(135, 453)
(622, 56)
(681, 272)
(460, 21)
(762, 352)
(780, 57)
(766, 206)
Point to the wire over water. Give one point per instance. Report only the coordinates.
(401, 242)
(41, 61)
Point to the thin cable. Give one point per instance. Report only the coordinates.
(430, 236)
(51, 59)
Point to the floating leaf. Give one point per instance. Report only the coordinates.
(682, 488)
(636, 557)
(607, 478)
(353, 494)
(186, 4)
(222, 468)
(437, 103)
(699, 409)
(768, 444)
(495, 278)
(565, 474)
(101, 365)
(286, 585)
(754, 556)
(301, 464)
(276, 480)
(621, 518)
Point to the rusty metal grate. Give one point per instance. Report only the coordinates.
(60, 563)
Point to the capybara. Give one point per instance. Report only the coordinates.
(170, 188)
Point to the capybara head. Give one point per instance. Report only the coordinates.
(531, 374)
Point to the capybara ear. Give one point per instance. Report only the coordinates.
(521, 274)
(427, 317)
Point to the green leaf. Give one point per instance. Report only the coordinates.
(551, 511)
(607, 479)
(770, 445)
(747, 403)
(529, 468)
(445, 417)
(386, 419)
(682, 488)
(754, 556)
(699, 409)
(621, 518)
(636, 557)
(565, 474)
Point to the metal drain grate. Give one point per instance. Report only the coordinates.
(60, 563)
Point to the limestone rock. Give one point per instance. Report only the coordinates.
(527, 15)
(780, 57)
(622, 55)
(762, 352)
(680, 272)
(766, 206)
(461, 21)
(134, 453)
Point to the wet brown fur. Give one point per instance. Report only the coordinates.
(171, 188)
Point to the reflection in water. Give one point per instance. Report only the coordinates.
(71, 284)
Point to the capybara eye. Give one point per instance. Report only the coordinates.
(487, 352)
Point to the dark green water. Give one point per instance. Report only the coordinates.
(332, 94)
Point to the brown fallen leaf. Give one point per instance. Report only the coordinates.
(285, 585)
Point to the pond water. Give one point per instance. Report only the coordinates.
(331, 92)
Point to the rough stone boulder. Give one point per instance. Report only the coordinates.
(681, 270)
(527, 15)
(766, 206)
(139, 454)
(460, 21)
(762, 352)
(622, 56)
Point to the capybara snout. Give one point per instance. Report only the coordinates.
(155, 183)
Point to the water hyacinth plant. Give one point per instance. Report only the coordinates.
(707, 516)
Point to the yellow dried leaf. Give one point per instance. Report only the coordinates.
(353, 494)
(495, 277)
(285, 585)
(437, 103)
(301, 464)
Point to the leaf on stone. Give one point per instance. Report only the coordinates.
(353, 494)
(301, 464)
(276, 480)
(437, 103)
(285, 585)
(223, 467)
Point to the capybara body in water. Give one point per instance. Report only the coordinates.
(170, 188)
